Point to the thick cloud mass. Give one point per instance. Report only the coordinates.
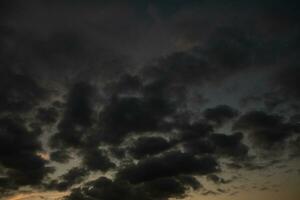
(170, 164)
(19, 157)
(77, 117)
(132, 114)
(143, 99)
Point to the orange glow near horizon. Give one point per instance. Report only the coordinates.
(38, 196)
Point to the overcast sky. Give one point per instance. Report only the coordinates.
(149, 100)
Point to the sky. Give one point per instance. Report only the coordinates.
(149, 99)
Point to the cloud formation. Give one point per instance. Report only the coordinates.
(110, 92)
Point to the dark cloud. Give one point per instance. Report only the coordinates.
(126, 85)
(159, 189)
(125, 115)
(265, 129)
(19, 154)
(106, 189)
(114, 83)
(72, 177)
(221, 190)
(60, 156)
(220, 114)
(79, 108)
(77, 117)
(190, 181)
(19, 92)
(95, 159)
(147, 146)
(47, 115)
(216, 179)
(132, 114)
(288, 81)
(219, 144)
(194, 131)
(74, 130)
(165, 188)
(209, 192)
(230, 145)
(170, 164)
(200, 146)
(118, 152)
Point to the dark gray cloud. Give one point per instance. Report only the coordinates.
(220, 114)
(95, 159)
(47, 115)
(216, 179)
(72, 177)
(76, 118)
(148, 146)
(219, 144)
(288, 80)
(60, 156)
(19, 155)
(266, 130)
(104, 188)
(19, 92)
(159, 189)
(230, 145)
(194, 131)
(169, 164)
(200, 146)
(132, 114)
